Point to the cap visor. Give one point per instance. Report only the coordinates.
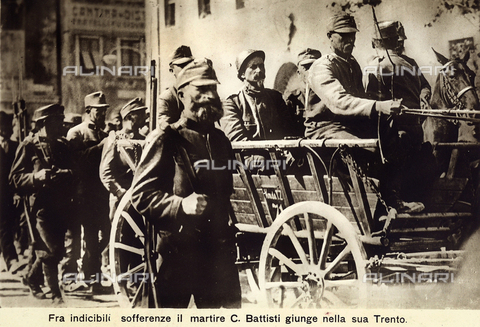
(306, 62)
(346, 30)
(99, 105)
(201, 82)
(180, 61)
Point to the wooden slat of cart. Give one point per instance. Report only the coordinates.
(253, 195)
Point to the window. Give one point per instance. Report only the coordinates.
(240, 4)
(203, 8)
(169, 13)
(130, 53)
(89, 53)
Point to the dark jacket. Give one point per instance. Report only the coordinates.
(34, 154)
(269, 119)
(115, 172)
(86, 141)
(162, 179)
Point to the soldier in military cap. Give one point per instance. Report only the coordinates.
(409, 85)
(345, 111)
(337, 79)
(304, 99)
(42, 170)
(169, 105)
(88, 139)
(190, 206)
(117, 166)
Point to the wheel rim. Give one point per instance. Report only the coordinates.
(311, 258)
(127, 255)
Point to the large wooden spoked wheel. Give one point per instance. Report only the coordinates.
(312, 258)
(132, 275)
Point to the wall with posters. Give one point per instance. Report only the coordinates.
(103, 49)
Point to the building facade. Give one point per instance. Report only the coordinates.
(60, 50)
(103, 48)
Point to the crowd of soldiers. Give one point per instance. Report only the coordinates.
(76, 179)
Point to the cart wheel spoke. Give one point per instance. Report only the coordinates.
(332, 265)
(312, 244)
(138, 294)
(290, 277)
(326, 245)
(127, 256)
(286, 261)
(136, 269)
(134, 226)
(301, 253)
(129, 248)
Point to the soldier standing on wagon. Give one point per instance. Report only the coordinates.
(189, 206)
(116, 170)
(43, 170)
(409, 84)
(169, 105)
(87, 139)
(346, 112)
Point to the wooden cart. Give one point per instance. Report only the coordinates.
(310, 239)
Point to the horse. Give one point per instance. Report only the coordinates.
(454, 88)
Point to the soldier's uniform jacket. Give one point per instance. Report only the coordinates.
(169, 107)
(50, 198)
(162, 179)
(115, 171)
(262, 116)
(85, 139)
(408, 85)
(344, 105)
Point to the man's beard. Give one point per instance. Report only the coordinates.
(258, 81)
(208, 111)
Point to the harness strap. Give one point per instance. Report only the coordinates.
(465, 90)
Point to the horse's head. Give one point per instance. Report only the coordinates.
(455, 88)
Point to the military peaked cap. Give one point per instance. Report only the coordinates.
(198, 73)
(48, 111)
(133, 105)
(181, 55)
(342, 23)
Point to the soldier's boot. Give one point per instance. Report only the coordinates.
(51, 276)
(32, 279)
